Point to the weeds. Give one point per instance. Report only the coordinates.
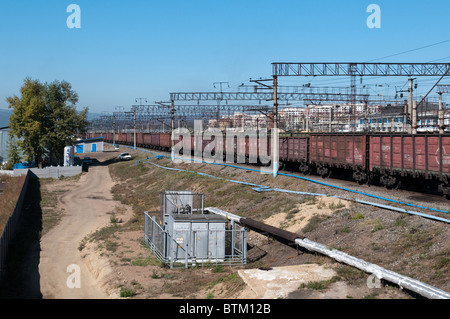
(358, 216)
(127, 292)
(313, 223)
(320, 285)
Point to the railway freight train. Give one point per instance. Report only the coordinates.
(418, 161)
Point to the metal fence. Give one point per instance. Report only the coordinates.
(171, 251)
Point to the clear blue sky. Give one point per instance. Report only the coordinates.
(130, 49)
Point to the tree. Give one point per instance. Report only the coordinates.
(45, 119)
(62, 120)
(27, 120)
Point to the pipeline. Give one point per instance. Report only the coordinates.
(402, 281)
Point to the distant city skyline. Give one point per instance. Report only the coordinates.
(128, 50)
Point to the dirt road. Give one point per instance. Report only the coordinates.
(62, 266)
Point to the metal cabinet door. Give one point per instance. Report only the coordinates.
(199, 241)
(216, 243)
(180, 243)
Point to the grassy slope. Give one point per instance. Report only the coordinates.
(409, 245)
(9, 197)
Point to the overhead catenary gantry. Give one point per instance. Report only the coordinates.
(359, 69)
(352, 69)
(262, 96)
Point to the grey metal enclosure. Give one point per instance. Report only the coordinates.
(188, 234)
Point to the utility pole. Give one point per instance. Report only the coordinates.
(114, 129)
(173, 127)
(275, 140)
(219, 100)
(410, 102)
(172, 107)
(414, 118)
(134, 126)
(441, 115)
(134, 117)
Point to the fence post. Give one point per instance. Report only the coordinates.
(244, 246)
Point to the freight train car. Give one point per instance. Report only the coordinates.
(415, 159)
(294, 153)
(385, 158)
(342, 152)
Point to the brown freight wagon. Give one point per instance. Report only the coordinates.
(165, 141)
(155, 141)
(139, 139)
(344, 151)
(147, 139)
(425, 157)
(294, 151)
(130, 138)
(108, 137)
(122, 138)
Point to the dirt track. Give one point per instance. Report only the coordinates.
(86, 208)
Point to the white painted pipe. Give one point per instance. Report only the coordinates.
(411, 284)
(381, 273)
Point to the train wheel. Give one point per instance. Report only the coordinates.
(389, 181)
(304, 168)
(324, 172)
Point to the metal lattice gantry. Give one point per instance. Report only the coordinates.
(359, 69)
(353, 70)
(443, 88)
(264, 96)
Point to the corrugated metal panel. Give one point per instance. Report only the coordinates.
(155, 138)
(338, 150)
(283, 144)
(164, 140)
(413, 154)
(147, 139)
(139, 139)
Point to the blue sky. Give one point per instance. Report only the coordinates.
(130, 49)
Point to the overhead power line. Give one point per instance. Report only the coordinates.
(412, 50)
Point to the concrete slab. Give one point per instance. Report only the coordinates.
(278, 282)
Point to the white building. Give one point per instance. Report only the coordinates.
(4, 144)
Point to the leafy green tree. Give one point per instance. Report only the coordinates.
(62, 122)
(27, 120)
(45, 120)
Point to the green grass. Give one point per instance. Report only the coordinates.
(320, 285)
(127, 292)
(313, 223)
